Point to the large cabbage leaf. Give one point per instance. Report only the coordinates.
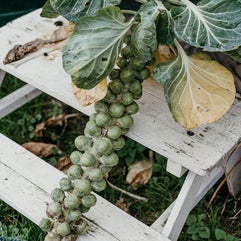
(143, 38)
(91, 51)
(74, 9)
(198, 90)
(214, 25)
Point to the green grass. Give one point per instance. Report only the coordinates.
(161, 190)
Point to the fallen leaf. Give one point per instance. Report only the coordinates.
(86, 97)
(19, 51)
(63, 164)
(59, 120)
(41, 149)
(120, 203)
(139, 173)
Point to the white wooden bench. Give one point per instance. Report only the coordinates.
(26, 181)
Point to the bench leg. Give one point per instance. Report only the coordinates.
(171, 222)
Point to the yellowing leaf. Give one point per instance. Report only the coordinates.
(139, 173)
(198, 89)
(163, 54)
(86, 97)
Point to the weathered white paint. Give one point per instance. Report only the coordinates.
(18, 98)
(2, 75)
(175, 169)
(26, 181)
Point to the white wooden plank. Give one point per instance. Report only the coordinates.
(154, 126)
(17, 98)
(2, 75)
(26, 181)
(175, 169)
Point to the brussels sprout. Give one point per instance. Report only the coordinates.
(137, 64)
(105, 169)
(114, 132)
(125, 121)
(114, 74)
(95, 174)
(118, 144)
(54, 210)
(80, 227)
(127, 75)
(103, 146)
(99, 186)
(52, 236)
(74, 172)
(127, 98)
(92, 129)
(82, 142)
(84, 209)
(137, 96)
(143, 74)
(75, 157)
(101, 106)
(122, 62)
(103, 119)
(109, 97)
(45, 224)
(65, 184)
(82, 187)
(136, 87)
(63, 229)
(132, 109)
(110, 160)
(127, 51)
(116, 86)
(89, 200)
(71, 201)
(87, 160)
(116, 110)
(74, 215)
(57, 195)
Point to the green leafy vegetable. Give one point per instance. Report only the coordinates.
(48, 11)
(165, 34)
(93, 48)
(74, 9)
(143, 38)
(212, 25)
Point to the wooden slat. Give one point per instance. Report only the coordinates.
(154, 127)
(26, 181)
(17, 98)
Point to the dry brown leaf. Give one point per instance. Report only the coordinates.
(63, 164)
(41, 149)
(87, 97)
(19, 51)
(139, 173)
(120, 203)
(53, 121)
